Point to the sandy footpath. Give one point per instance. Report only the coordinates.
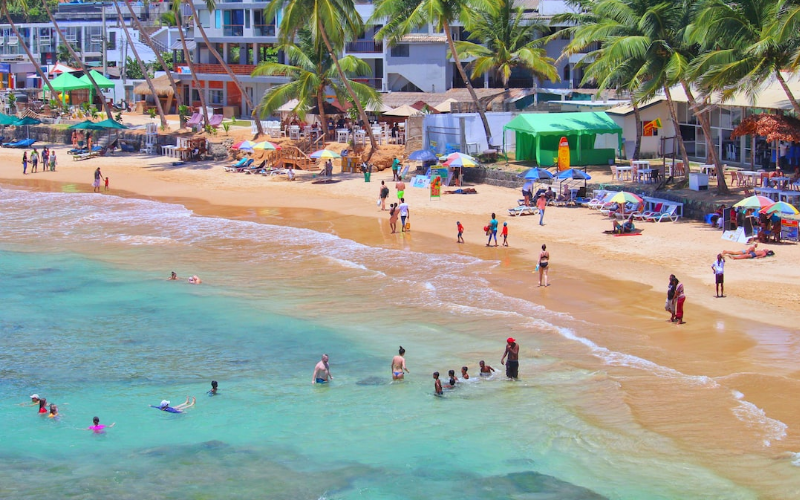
(766, 290)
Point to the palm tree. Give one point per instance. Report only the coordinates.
(507, 41)
(142, 67)
(187, 57)
(211, 5)
(405, 15)
(787, 27)
(333, 22)
(79, 60)
(745, 46)
(312, 71)
(38, 67)
(144, 36)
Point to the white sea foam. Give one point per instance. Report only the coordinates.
(756, 418)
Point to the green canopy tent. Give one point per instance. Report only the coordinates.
(67, 83)
(101, 81)
(538, 135)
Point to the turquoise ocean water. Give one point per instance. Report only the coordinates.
(89, 322)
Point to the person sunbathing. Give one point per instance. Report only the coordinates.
(750, 249)
(624, 227)
(758, 254)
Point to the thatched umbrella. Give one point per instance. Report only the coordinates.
(771, 126)
(162, 87)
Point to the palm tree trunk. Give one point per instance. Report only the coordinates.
(463, 74)
(142, 67)
(788, 91)
(188, 59)
(678, 136)
(638, 119)
(320, 104)
(722, 187)
(106, 106)
(36, 65)
(350, 91)
(228, 69)
(149, 43)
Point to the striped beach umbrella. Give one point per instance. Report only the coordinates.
(265, 146)
(325, 154)
(780, 207)
(460, 160)
(244, 145)
(755, 202)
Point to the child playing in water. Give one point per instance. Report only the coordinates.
(42, 406)
(452, 382)
(437, 384)
(464, 374)
(460, 232)
(504, 233)
(53, 411)
(213, 391)
(106, 183)
(97, 428)
(486, 370)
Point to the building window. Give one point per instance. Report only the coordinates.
(215, 96)
(400, 50)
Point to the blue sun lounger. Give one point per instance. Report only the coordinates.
(24, 143)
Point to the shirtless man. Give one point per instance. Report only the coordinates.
(512, 351)
(758, 254)
(751, 249)
(322, 372)
(399, 365)
(400, 186)
(486, 370)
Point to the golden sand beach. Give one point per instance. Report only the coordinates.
(746, 341)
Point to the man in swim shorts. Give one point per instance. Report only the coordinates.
(512, 366)
(322, 372)
(750, 250)
(758, 254)
(399, 365)
(400, 186)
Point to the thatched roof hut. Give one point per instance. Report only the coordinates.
(163, 90)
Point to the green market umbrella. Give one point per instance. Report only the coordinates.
(108, 123)
(86, 125)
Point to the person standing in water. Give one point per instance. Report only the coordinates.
(213, 391)
(544, 260)
(512, 365)
(437, 384)
(399, 365)
(464, 374)
(486, 370)
(322, 372)
(97, 428)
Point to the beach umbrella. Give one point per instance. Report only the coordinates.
(536, 174)
(461, 161)
(624, 197)
(324, 153)
(108, 123)
(7, 119)
(86, 125)
(26, 121)
(265, 146)
(574, 173)
(244, 145)
(780, 207)
(755, 202)
(423, 155)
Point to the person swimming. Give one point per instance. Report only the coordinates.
(195, 280)
(213, 391)
(97, 428)
(173, 277)
(164, 406)
(53, 411)
(42, 406)
(452, 382)
(464, 374)
(486, 370)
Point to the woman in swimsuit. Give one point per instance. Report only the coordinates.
(42, 406)
(393, 217)
(544, 259)
(399, 365)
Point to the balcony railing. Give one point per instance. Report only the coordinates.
(233, 29)
(365, 46)
(375, 83)
(218, 69)
(264, 29)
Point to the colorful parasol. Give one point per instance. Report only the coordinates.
(324, 153)
(755, 202)
(780, 207)
(265, 146)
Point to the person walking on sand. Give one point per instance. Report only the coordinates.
(460, 229)
(97, 176)
(393, 217)
(680, 298)
(512, 365)
(400, 186)
(504, 234)
(383, 193)
(395, 169)
(492, 231)
(719, 274)
(544, 261)
(399, 365)
(669, 306)
(322, 372)
(405, 213)
(541, 203)
(24, 162)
